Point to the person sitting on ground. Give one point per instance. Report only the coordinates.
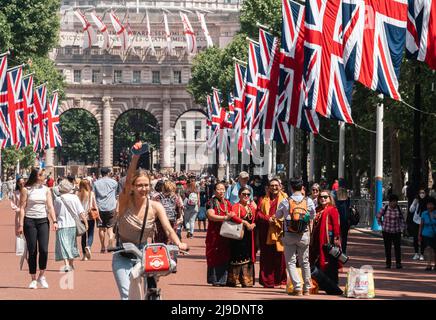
(392, 222)
(427, 233)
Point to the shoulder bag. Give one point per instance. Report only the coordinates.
(231, 229)
(93, 212)
(80, 226)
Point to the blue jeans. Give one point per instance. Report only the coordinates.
(190, 218)
(88, 236)
(121, 268)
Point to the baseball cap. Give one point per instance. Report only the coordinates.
(244, 175)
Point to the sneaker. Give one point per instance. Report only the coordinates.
(88, 253)
(66, 268)
(33, 284)
(421, 257)
(306, 293)
(298, 293)
(84, 258)
(43, 283)
(399, 266)
(416, 256)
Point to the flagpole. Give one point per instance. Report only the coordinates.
(341, 160)
(28, 75)
(251, 40)
(312, 158)
(239, 61)
(5, 54)
(291, 152)
(16, 67)
(378, 166)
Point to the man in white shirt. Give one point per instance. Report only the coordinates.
(297, 244)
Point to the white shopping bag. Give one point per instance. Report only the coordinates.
(360, 283)
(20, 244)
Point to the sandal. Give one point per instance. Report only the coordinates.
(103, 250)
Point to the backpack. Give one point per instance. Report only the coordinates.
(354, 216)
(299, 216)
(169, 204)
(192, 199)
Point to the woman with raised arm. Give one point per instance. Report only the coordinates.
(133, 203)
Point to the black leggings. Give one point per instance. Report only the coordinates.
(36, 232)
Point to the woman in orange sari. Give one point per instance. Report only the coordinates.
(272, 262)
(242, 253)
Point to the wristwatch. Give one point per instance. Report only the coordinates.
(55, 222)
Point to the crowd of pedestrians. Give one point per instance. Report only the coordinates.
(288, 227)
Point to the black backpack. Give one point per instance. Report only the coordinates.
(354, 216)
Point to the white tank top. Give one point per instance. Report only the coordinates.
(36, 202)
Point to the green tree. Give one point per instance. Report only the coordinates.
(79, 130)
(29, 29)
(265, 12)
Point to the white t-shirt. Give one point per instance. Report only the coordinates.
(36, 202)
(62, 215)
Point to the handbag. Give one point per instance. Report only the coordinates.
(80, 226)
(93, 212)
(231, 229)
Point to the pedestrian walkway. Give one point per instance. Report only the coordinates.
(94, 280)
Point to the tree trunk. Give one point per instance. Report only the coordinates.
(395, 154)
(304, 156)
(354, 164)
(318, 159)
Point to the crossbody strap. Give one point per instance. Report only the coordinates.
(145, 220)
(68, 207)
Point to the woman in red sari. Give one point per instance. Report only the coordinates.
(217, 247)
(272, 262)
(326, 229)
(242, 252)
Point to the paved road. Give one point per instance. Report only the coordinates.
(94, 280)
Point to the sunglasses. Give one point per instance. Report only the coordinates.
(324, 197)
(246, 194)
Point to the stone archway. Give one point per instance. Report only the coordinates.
(131, 125)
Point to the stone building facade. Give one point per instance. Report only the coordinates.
(109, 83)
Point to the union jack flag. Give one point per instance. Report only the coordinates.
(239, 103)
(40, 118)
(28, 109)
(53, 131)
(291, 96)
(4, 128)
(267, 84)
(250, 95)
(16, 106)
(216, 118)
(421, 31)
(327, 89)
(379, 55)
